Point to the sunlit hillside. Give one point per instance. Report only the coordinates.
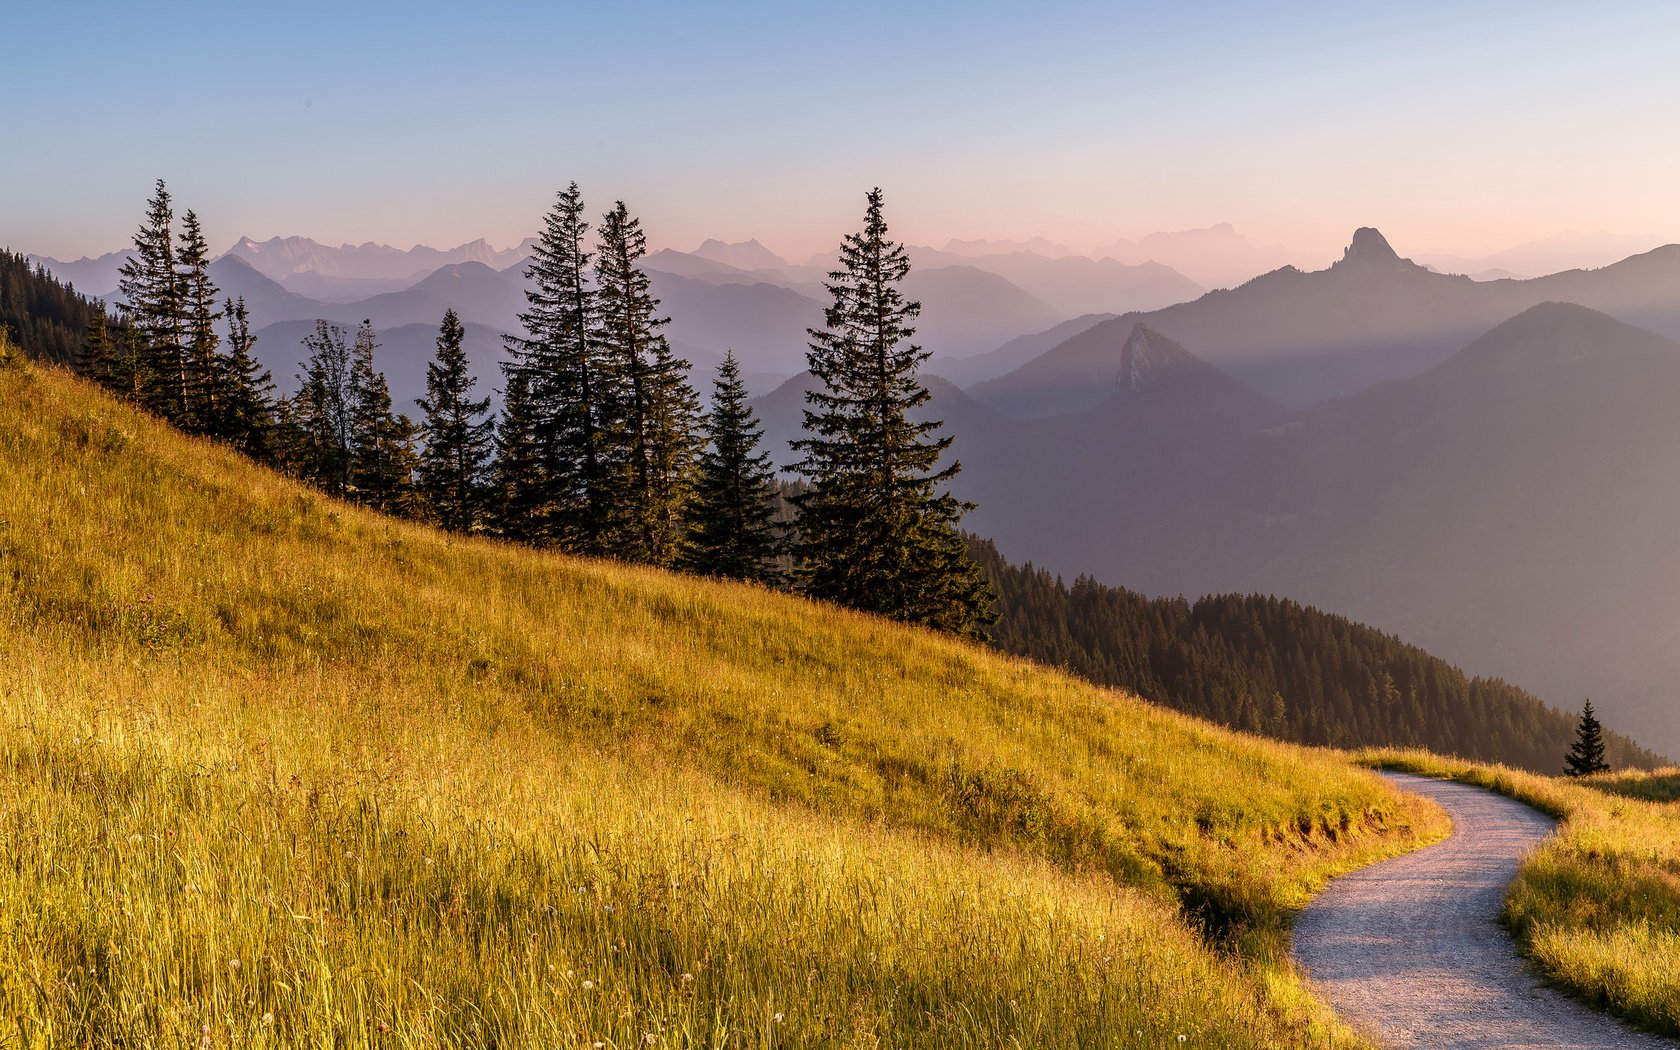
(275, 771)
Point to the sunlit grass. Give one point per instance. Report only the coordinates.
(1597, 907)
(276, 771)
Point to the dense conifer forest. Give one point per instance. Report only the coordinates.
(1273, 666)
(44, 316)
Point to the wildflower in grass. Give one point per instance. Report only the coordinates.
(587, 985)
(268, 1018)
(777, 1018)
(233, 964)
(688, 978)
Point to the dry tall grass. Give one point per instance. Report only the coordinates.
(275, 771)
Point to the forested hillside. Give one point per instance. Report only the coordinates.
(1276, 667)
(45, 316)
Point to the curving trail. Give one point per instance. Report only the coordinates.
(1410, 950)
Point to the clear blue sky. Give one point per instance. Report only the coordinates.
(1454, 127)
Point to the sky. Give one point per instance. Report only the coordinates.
(1453, 127)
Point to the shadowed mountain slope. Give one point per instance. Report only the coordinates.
(1512, 509)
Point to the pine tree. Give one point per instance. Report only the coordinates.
(517, 479)
(570, 387)
(458, 438)
(321, 411)
(656, 410)
(381, 447)
(733, 532)
(878, 528)
(202, 359)
(152, 289)
(98, 359)
(245, 405)
(1586, 755)
(132, 369)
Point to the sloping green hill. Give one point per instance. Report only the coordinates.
(277, 771)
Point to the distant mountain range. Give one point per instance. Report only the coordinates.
(95, 276)
(742, 255)
(1214, 256)
(1036, 245)
(1565, 250)
(713, 307)
(1304, 337)
(287, 259)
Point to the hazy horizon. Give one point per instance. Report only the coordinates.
(1085, 124)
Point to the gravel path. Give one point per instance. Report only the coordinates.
(1410, 950)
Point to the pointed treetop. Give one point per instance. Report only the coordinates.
(1586, 755)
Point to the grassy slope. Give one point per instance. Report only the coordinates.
(1597, 907)
(275, 771)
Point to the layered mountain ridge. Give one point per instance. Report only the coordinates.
(1303, 337)
(1510, 508)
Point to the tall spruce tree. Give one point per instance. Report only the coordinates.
(878, 528)
(381, 452)
(570, 388)
(733, 533)
(245, 408)
(457, 434)
(98, 358)
(200, 353)
(151, 287)
(1586, 755)
(322, 411)
(656, 412)
(131, 370)
(516, 477)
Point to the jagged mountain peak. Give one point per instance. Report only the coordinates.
(1147, 356)
(1369, 248)
(745, 255)
(1138, 357)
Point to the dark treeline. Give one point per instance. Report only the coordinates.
(1272, 666)
(43, 315)
(602, 447)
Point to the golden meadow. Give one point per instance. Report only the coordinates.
(278, 772)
